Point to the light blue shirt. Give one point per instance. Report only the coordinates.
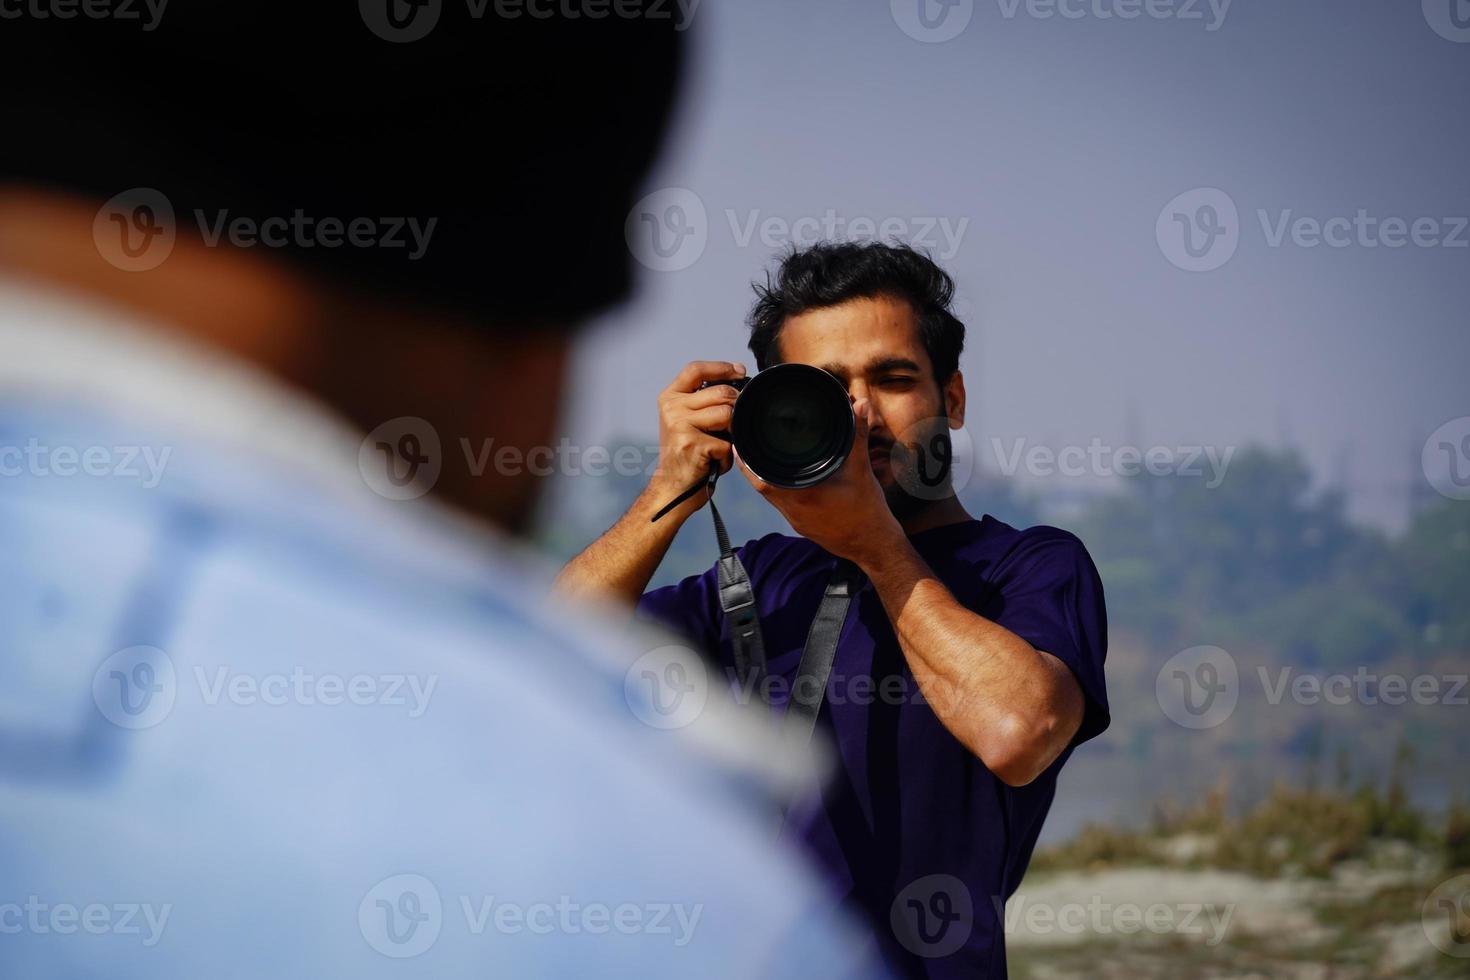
(257, 721)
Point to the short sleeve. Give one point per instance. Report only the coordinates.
(690, 608)
(1051, 597)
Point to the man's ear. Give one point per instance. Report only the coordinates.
(954, 399)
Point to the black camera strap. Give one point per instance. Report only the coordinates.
(820, 653)
(737, 595)
(737, 601)
(817, 658)
(747, 642)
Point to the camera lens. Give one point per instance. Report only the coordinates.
(793, 425)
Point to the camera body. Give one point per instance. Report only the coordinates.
(793, 424)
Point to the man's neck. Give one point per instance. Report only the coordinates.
(244, 306)
(938, 513)
(366, 361)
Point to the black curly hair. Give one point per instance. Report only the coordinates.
(829, 273)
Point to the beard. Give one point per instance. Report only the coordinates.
(919, 473)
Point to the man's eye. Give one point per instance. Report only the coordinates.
(895, 379)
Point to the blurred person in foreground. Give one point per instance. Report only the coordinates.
(266, 710)
(970, 662)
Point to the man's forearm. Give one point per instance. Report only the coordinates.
(617, 566)
(1013, 706)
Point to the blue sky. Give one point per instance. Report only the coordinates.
(1034, 154)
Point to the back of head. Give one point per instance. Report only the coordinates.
(522, 137)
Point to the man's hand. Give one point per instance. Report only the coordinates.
(619, 564)
(687, 415)
(846, 513)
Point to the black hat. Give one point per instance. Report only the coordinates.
(522, 132)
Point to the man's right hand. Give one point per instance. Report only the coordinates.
(687, 415)
(620, 564)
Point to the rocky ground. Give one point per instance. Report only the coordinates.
(1377, 915)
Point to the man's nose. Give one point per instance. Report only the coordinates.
(875, 418)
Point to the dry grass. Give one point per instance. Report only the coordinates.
(1291, 832)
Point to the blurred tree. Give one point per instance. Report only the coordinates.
(1261, 556)
(1436, 559)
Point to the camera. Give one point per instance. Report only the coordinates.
(793, 424)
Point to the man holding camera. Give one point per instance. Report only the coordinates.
(970, 663)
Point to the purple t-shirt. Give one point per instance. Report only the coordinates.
(912, 827)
